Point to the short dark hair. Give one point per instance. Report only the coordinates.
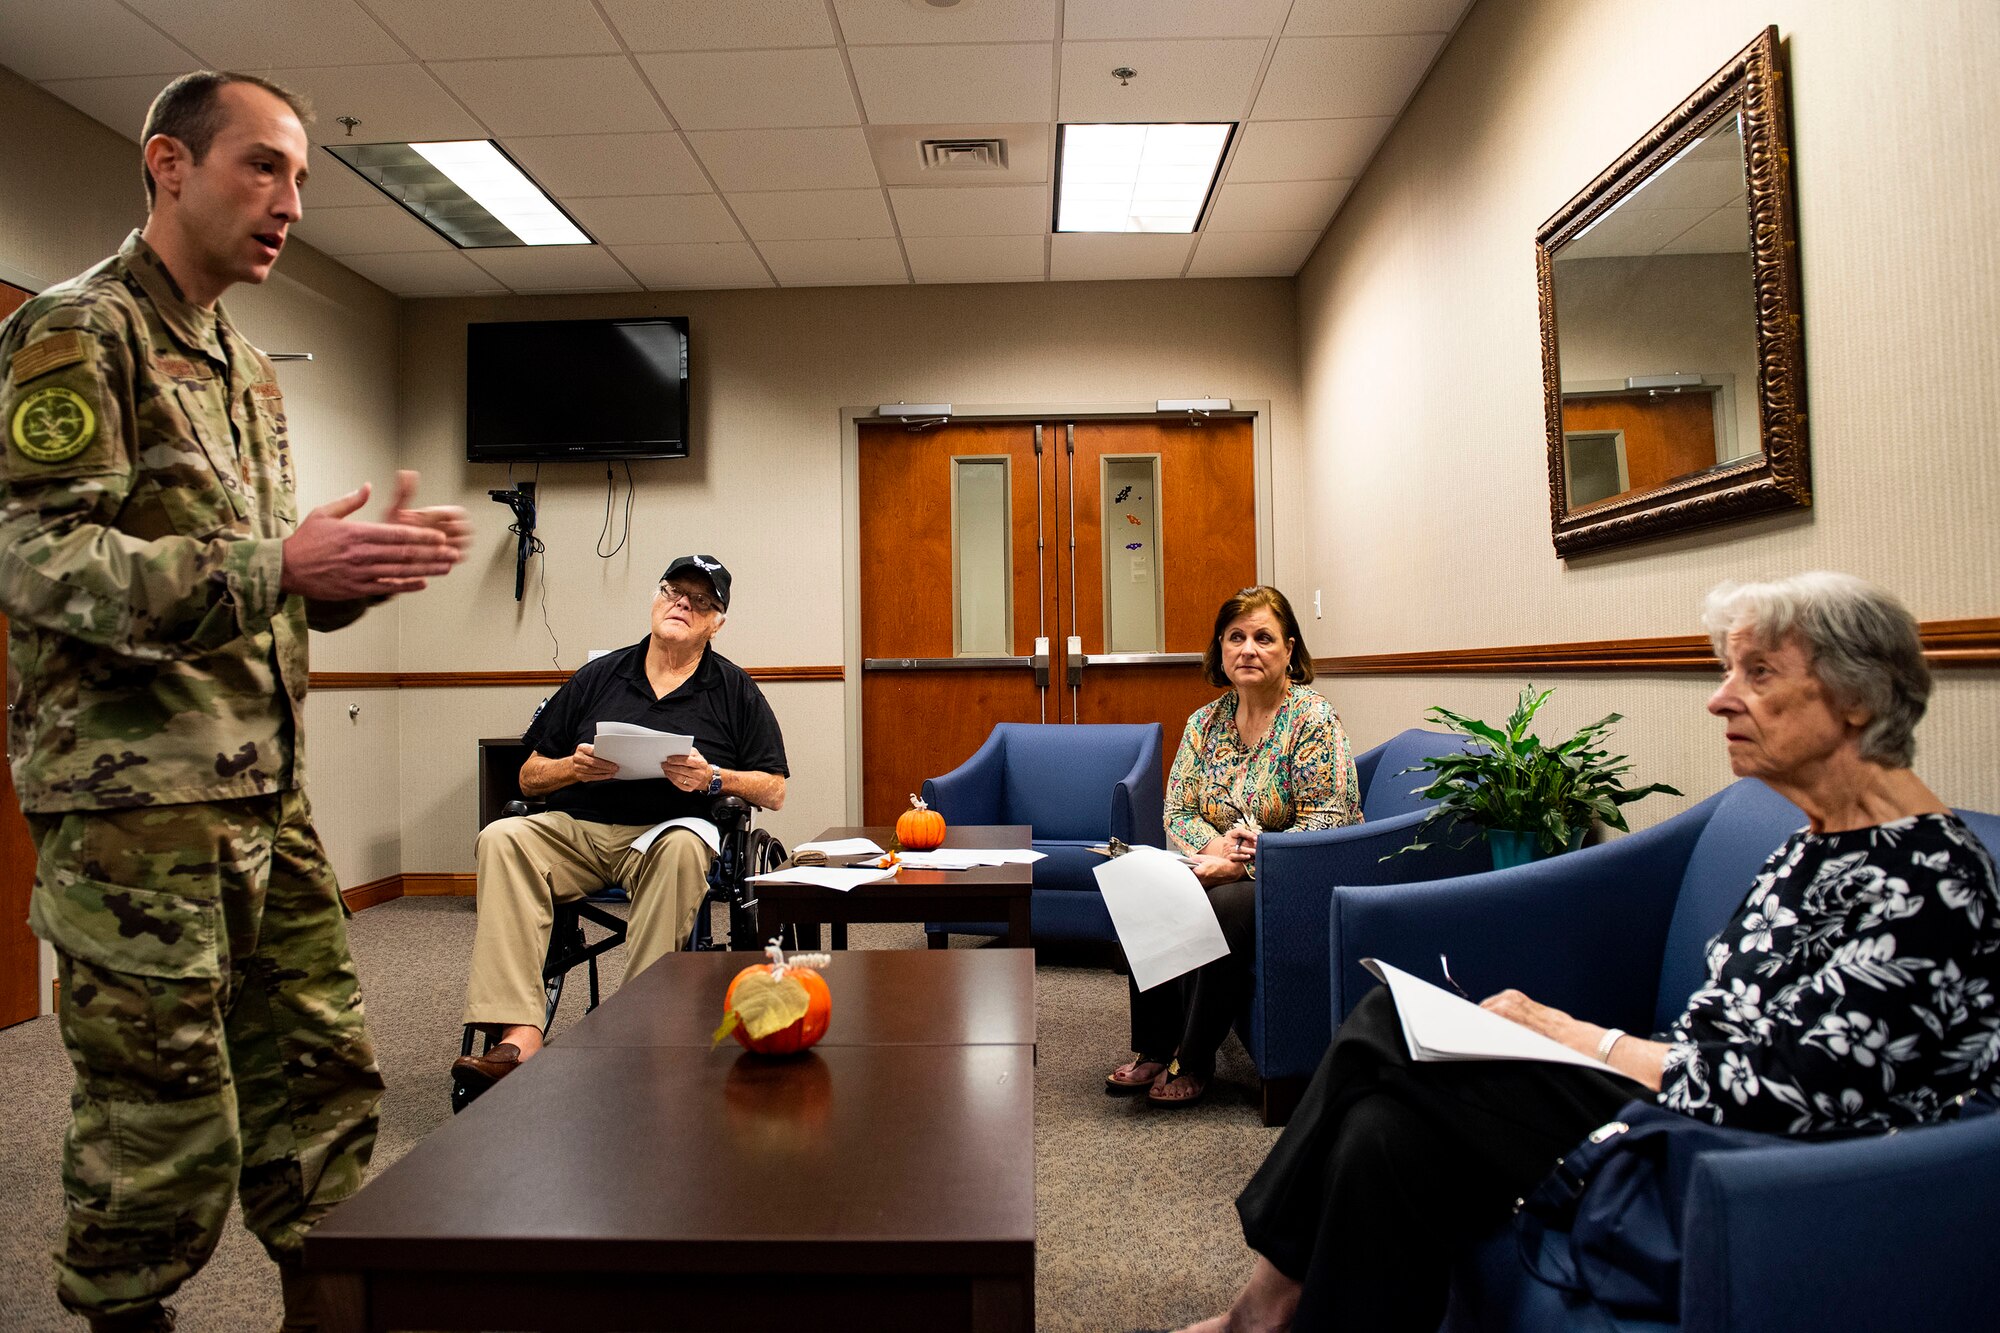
(190, 109)
(1260, 598)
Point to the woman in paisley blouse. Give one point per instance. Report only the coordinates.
(1268, 755)
(1856, 989)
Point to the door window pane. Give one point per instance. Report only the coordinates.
(982, 551)
(1134, 607)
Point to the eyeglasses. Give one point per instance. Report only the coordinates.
(698, 602)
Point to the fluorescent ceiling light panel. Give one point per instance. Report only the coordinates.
(468, 191)
(1145, 178)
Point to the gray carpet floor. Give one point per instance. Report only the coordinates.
(1133, 1204)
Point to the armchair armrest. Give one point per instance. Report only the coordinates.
(970, 793)
(1584, 931)
(1139, 801)
(1894, 1231)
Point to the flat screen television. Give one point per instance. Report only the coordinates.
(576, 389)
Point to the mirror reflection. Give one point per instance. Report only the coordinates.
(1656, 332)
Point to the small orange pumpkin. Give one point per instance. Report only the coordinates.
(802, 1033)
(920, 828)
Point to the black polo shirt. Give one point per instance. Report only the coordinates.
(719, 705)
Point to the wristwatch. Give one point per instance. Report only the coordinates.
(714, 780)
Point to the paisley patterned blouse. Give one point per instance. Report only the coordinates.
(1300, 776)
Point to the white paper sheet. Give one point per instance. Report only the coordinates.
(964, 858)
(842, 847)
(703, 828)
(1161, 914)
(841, 878)
(638, 751)
(1438, 1025)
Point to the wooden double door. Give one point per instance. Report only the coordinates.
(1056, 571)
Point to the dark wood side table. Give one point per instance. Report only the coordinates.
(984, 893)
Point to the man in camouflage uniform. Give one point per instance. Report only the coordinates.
(159, 584)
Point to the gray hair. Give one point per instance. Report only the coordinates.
(1863, 644)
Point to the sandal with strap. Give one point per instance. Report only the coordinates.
(1176, 1087)
(1133, 1076)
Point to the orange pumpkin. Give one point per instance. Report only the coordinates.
(920, 828)
(801, 1034)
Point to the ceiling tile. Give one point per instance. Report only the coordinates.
(813, 215)
(431, 273)
(1314, 77)
(1252, 254)
(375, 229)
(829, 159)
(395, 104)
(85, 38)
(1211, 80)
(472, 29)
(753, 90)
(259, 35)
(1276, 206)
(911, 85)
(1334, 18)
(835, 263)
(704, 25)
(334, 184)
(975, 258)
(1075, 256)
(670, 267)
(666, 219)
(1306, 150)
(993, 210)
(871, 22)
(1087, 20)
(120, 103)
(565, 95)
(555, 268)
(898, 151)
(579, 166)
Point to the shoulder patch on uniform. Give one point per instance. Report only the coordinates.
(52, 352)
(267, 389)
(52, 425)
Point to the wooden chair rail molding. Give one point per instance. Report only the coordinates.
(452, 680)
(1947, 643)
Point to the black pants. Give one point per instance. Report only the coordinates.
(1389, 1168)
(1188, 1017)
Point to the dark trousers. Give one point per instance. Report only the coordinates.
(1389, 1168)
(1188, 1017)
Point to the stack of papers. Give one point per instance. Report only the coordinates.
(839, 878)
(965, 858)
(842, 847)
(638, 751)
(1438, 1025)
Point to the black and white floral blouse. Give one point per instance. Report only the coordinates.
(1857, 987)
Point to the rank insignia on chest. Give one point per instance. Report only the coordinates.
(52, 425)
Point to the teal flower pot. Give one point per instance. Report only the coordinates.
(1514, 848)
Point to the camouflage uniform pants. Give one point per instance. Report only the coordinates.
(214, 1018)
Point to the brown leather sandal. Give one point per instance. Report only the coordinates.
(1133, 1076)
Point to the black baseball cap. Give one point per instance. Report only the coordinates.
(706, 565)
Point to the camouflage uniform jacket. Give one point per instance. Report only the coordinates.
(144, 498)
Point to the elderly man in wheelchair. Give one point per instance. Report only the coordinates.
(594, 828)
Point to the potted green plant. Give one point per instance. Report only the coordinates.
(1527, 798)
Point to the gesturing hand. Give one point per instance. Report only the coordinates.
(333, 557)
(449, 521)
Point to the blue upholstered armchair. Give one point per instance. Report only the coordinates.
(1288, 1025)
(1076, 786)
(1871, 1233)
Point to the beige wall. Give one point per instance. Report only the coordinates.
(772, 371)
(1425, 469)
(69, 194)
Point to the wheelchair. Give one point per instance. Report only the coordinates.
(745, 851)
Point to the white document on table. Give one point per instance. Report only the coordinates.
(1438, 1025)
(842, 847)
(1163, 918)
(702, 828)
(1006, 856)
(840, 878)
(638, 751)
(965, 858)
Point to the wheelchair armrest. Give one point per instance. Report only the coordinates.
(515, 809)
(729, 812)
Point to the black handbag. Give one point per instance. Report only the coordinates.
(1606, 1224)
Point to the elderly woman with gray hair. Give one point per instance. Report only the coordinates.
(1853, 991)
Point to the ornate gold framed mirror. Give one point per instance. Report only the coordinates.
(1672, 360)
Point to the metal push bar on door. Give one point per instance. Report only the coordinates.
(948, 663)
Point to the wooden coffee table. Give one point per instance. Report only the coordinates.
(632, 1178)
(984, 893)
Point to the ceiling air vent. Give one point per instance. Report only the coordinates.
(963, 154)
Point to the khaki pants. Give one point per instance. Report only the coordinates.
(529, 863)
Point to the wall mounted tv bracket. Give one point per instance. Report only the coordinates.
(521, 499)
